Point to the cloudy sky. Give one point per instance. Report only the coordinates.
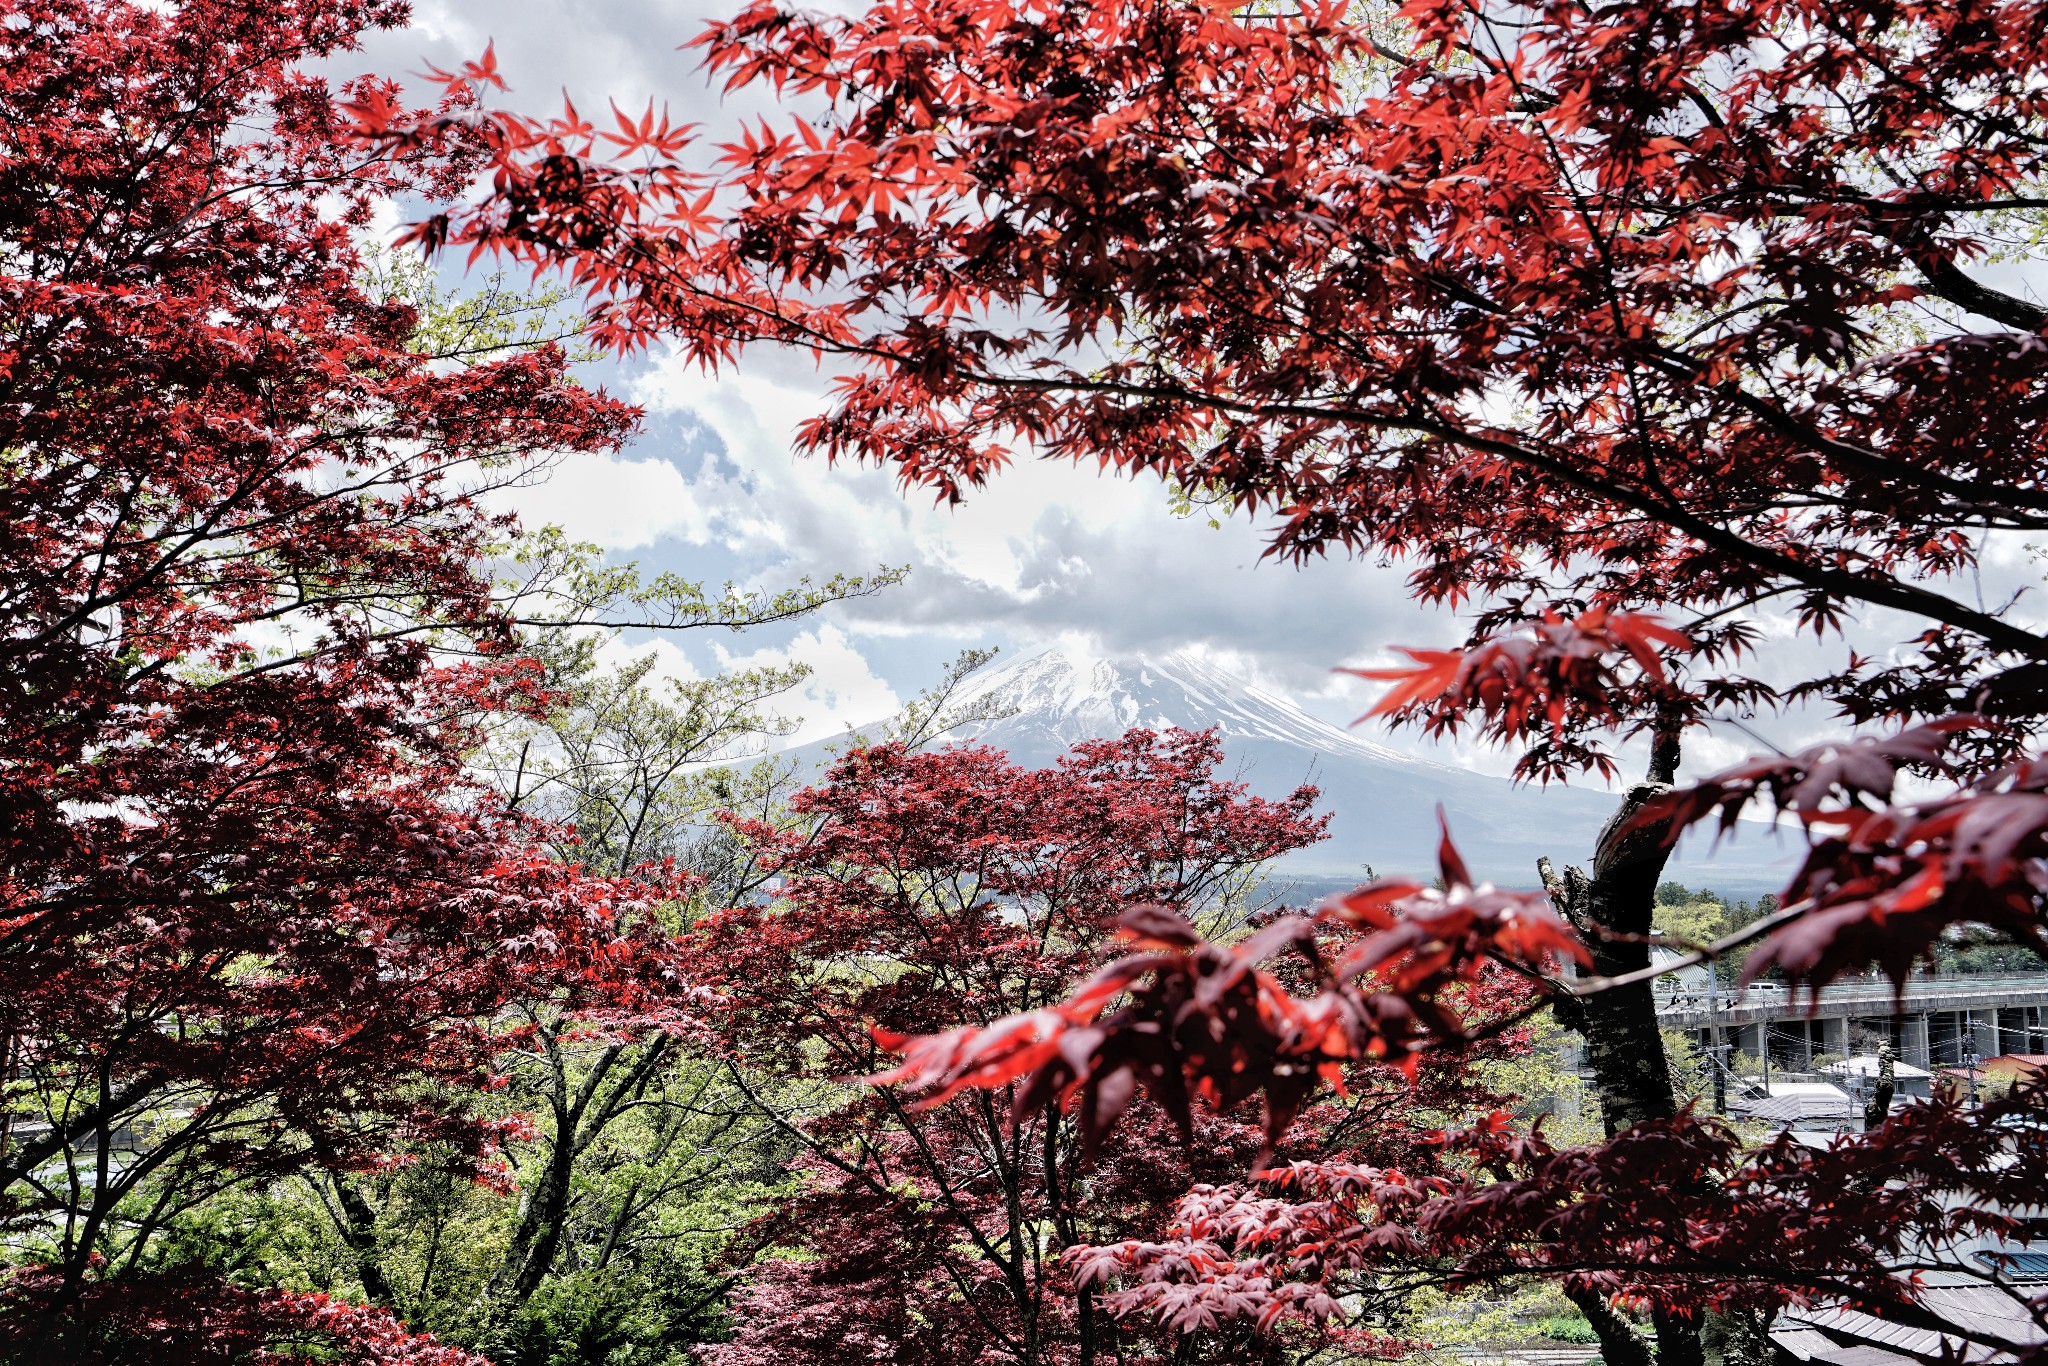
(1050, 556)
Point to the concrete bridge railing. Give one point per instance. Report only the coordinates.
(1935, 1022)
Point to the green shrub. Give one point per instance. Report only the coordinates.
(1571, 1328)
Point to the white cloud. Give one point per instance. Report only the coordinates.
(669, 661)
(842, 690)
(617, 503)
(1048, 549)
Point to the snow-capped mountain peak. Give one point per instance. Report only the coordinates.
(1383, 803)
(1059, 698)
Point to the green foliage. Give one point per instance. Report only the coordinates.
(1572, 1328)
(1982, 956)
(1693, 920)
(615, 1317)
(631, 765)
(1547, 1089)
(556, 585)
(939, 709)
(1519, 1313)
(482, 321)
(253, 1237)
(437, 1238)
(1689, 1076)
(1671, 893)
(1691, 923)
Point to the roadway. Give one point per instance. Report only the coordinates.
(1932, 1023)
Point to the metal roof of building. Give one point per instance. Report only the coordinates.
(1849, 1333)
(1791, 1102)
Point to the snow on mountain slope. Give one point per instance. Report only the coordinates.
(1383, 802)
(1060, 699)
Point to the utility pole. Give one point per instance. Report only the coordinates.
(1969, 1058)
(1714, 1063)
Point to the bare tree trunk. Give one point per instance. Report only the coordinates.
(1614, 906)
(616, 1076)
(1746, 1338)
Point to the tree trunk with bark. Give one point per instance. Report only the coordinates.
(359, 1230)
(1612, 911)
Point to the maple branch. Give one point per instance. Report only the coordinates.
(1756, 929)
(1946, 281)
(1879, 591)
(31, 1153)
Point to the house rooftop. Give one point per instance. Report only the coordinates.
(1790, 1102)
(1865, 1065)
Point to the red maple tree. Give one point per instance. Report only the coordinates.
(956, 885)
(1590, 310)
(255, 918)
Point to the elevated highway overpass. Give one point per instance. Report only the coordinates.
(1936, 1021)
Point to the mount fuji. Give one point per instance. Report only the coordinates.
(1383, 803)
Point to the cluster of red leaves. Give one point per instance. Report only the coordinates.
(936, 885)
(1204, 1020)
(1009, 874)
(1541, 684)
(862, 1293)
(201, 1320)
(1678, 1216)
(1433, 285)
(1882, 881)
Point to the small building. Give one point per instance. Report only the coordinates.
(1686, 982)
(1993, 1076)
(1966, 1287)
(2014, 1068)
(1838, 1336)
(1859, 1076)
(1809, 1105)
